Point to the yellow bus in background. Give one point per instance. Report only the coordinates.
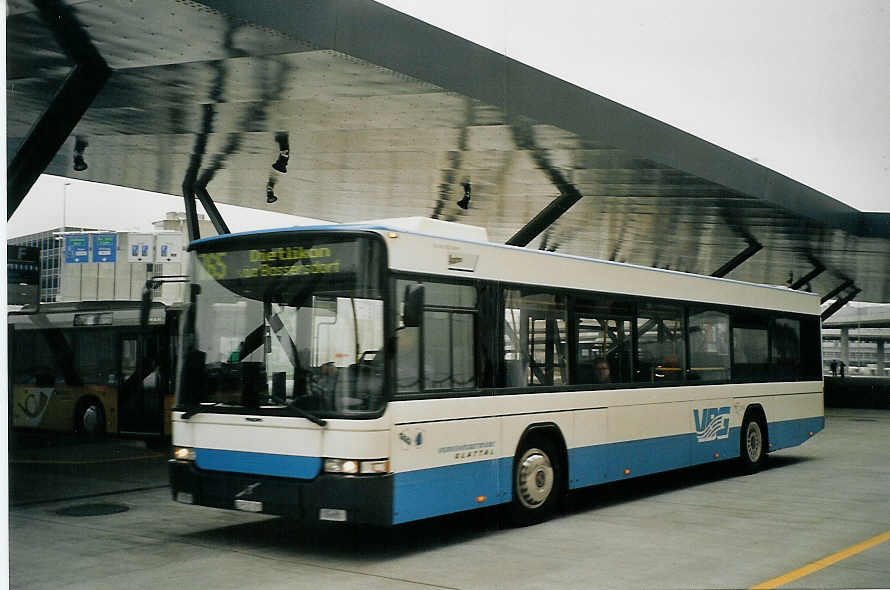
(89, 368)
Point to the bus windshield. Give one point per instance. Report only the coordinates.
(284, 322)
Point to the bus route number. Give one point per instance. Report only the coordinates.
(214, 265)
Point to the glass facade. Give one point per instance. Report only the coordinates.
(52, 252)
(51, 249)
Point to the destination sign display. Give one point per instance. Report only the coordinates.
(285, 261)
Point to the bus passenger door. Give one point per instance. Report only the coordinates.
(139, 385)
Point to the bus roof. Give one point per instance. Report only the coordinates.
(113, 313)
(448, 252)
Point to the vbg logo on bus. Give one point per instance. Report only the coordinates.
(711, 424)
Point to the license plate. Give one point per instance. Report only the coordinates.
(334, 514)
(249, 505)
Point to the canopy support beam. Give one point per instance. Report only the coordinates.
(523, 136)
(210, 207)
(545, 218)
(67, 107)
(831, 294)
(807, 277)
(191, 210)
(830, 311)
(753, 248)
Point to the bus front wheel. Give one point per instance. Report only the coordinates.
(89, 419)
(537, 481)
(753, 443)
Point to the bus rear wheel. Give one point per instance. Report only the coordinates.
(537, 481)
(89, 418)
(753, 443)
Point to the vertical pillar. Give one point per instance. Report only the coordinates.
(845, 348)
(880, 361)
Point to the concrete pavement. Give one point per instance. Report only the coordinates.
(698, 528)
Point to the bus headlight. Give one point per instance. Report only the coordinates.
(355, 466)
(374, 467)
(340, 466)
(184, 453)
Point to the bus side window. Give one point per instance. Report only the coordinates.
(750, 347)
(660, 343)
(708, 345)
(94, 353)
(785, 338)
(603, 346)
(810, 349)
(535, 339)
(440, 353)
(34, 360)
(407, 359)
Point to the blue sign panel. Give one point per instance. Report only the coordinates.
(77, 249)
(104, 247)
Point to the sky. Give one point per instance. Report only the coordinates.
(64, 201)
(800, 86)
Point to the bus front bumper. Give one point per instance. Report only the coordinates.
(362, 499)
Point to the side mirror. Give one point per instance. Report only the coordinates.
(413, 312)
(145, 310)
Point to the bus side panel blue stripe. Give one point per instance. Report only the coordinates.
(589, 466)
(650, 455)
(790, 433)
(603, 463)
(724, 448)
(258, 463)
(505, 479)
(442, 490)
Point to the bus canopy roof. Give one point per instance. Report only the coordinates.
(375, 114)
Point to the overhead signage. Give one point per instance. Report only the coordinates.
(77, 248)
(168, 248)
(140, 247)
(104, 247)
(287, 261)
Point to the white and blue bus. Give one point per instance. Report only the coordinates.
(387, 372)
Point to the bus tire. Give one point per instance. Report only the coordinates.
(89, 418)
(753, 442)
(537, 481)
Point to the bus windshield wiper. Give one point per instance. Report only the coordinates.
(289, 405)
(198, 409)
(299, 411)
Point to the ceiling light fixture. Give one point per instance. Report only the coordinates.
(280, 164)
(80, 145)
(465, 202)
(270, 194)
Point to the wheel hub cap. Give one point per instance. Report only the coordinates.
(90, 419)
(754, 442)
(534, 478)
